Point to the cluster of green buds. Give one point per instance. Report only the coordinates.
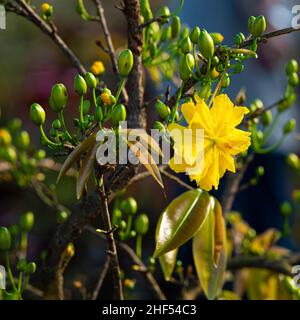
(264, 121)
(16, 149)
(14, 242)
(123, 215)
(106, 106)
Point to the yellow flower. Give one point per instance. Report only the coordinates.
(222, 140)
(105, 98)
(45, 7)
(97, 68)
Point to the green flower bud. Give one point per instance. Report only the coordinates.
(186, 66)
(266, 118)
(206, 44)
(146, 10)
(14, 230)
(289, 126)
(186, 45)
(59, 97)
(184, 33)
(40, 154)
(5, 239)
(215, 61)
(118, 114)
(218, 38)
(294, 79)
(238, 68)
(293, 161)
(286, 209)
(175, 26)
(260, 171)
(56, 124)
(123, 224)
(239, 38)
(9, 154)
(80, 85)
(27, 221)
(226, 81)
(258, 104)
(86, 106)
(291, 67)
(53, 133)
(125, 62)
(5, 137)
(154, 31)
(21, 265)
(62, 216)
(90, 80)
(117, 216)
(162, 109)
(250, 22)
(166, 34)
(142, 224)
(195, 34)
(23, 140)
(289, 100)
(159, 126)
(30, 268)
(163, 12)
(129, 206)
(37, 114)
(258, 26)
(205, 91)
(132, 234)
(14, 124)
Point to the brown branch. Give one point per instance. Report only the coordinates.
(112, 249)
(32, 16)
(177, 180)
(110, 46)
(150, 21)
(101, 278)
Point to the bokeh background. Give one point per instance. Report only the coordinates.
(30, 64)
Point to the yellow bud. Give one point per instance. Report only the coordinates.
(97, 68)
(215, 74)
(105, 98)
(5, 137)
(45, 7)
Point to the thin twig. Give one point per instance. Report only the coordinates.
(157, 19)
(112, 249)
(109, 43)
(177, 180)
(101, 278)
(32, 16)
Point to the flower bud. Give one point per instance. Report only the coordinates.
(159, 126)
(226, 81)
(129, 284)
(9, 154)
(70, 250)
(239, 38)
(206, 44)
(46, 10)
(118, 114)
(142, 224)
(218, 38)
(56, 124)
(238, 68)
(97, 68)
(80, 85)
(186, 45)
(214, 74)
(258, 26)
(105, 98)
(30, 268)
(186, 66)
(166, 34)
(129, 206)
(21, 265)
(27, 221)
(125, 62)
(117, 216)
(37, 114)
(291, 67)
(286, 209)
(215, 61)
(289, 126)
(5, 137)
(23, 140)
(162, 109)
(175, 26)
(90, 80)
(293, 161)
(266, 118)
(40, 154)
(205, 91)
(59, 97)
(163, 12)
(14, 124)
(195, 34)
(146, 10)
(5, 239)
(293, 79)
(250, 22)
(62, 216)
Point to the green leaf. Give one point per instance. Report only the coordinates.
(168, 260)
(86, 169)
(181, 220)
(76, 154)
(209, 251)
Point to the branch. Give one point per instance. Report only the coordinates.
(110, 46)
(101, 278)
(32, 16)
(112, 249)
